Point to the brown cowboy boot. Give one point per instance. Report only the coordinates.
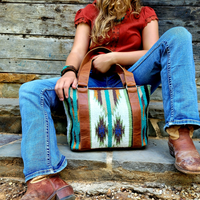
(185, 153)
(49, 188)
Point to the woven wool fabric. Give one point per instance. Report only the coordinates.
(110, 117)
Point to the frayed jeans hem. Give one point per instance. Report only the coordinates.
(47, 171)
(195, 123)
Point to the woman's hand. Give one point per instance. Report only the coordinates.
(103, 62)
(68, 79)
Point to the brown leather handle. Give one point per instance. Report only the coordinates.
(129, 78)
(83, 106)
(84, 71)
(91, 53)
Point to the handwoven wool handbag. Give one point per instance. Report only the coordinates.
(104, 118)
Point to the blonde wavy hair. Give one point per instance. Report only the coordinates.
(107, 17)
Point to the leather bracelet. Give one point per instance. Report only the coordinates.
(63, 69)
(68, 68)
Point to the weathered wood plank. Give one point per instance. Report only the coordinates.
(144, 2)
(57, 19)
(31, 66)
(42, 55)
(15, 46)
(41, 48)
(49, 1)
(38, 19)
(171, 3)
(40, 66)
(165, 25)
(196, 52)
(187, 17)
(45, 67)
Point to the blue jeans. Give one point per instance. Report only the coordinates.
(169, 61)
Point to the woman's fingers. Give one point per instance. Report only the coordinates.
(66, 87)
(59, 89)
(63, 84)
(75, 84)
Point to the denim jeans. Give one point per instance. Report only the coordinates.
(169, 61)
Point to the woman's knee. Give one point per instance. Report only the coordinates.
(28, 88)
(39, 91)
(180, 33)
(37, 86)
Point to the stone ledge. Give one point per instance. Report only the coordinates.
(153, 163)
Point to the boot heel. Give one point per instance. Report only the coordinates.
(63, 193)
(171, 150)
(71, 197)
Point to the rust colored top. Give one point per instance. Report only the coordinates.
(125, 36)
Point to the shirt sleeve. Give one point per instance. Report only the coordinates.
(148, 15)
(86, 15)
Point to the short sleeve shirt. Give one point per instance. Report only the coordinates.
(125, 36)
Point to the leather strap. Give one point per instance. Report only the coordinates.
(136, 116)
(128, 76)
(84, 118)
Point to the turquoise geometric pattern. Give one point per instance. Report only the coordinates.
(110, 116)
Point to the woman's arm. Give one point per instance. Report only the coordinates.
(78, 51)
(80, 46)
(150, 35)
